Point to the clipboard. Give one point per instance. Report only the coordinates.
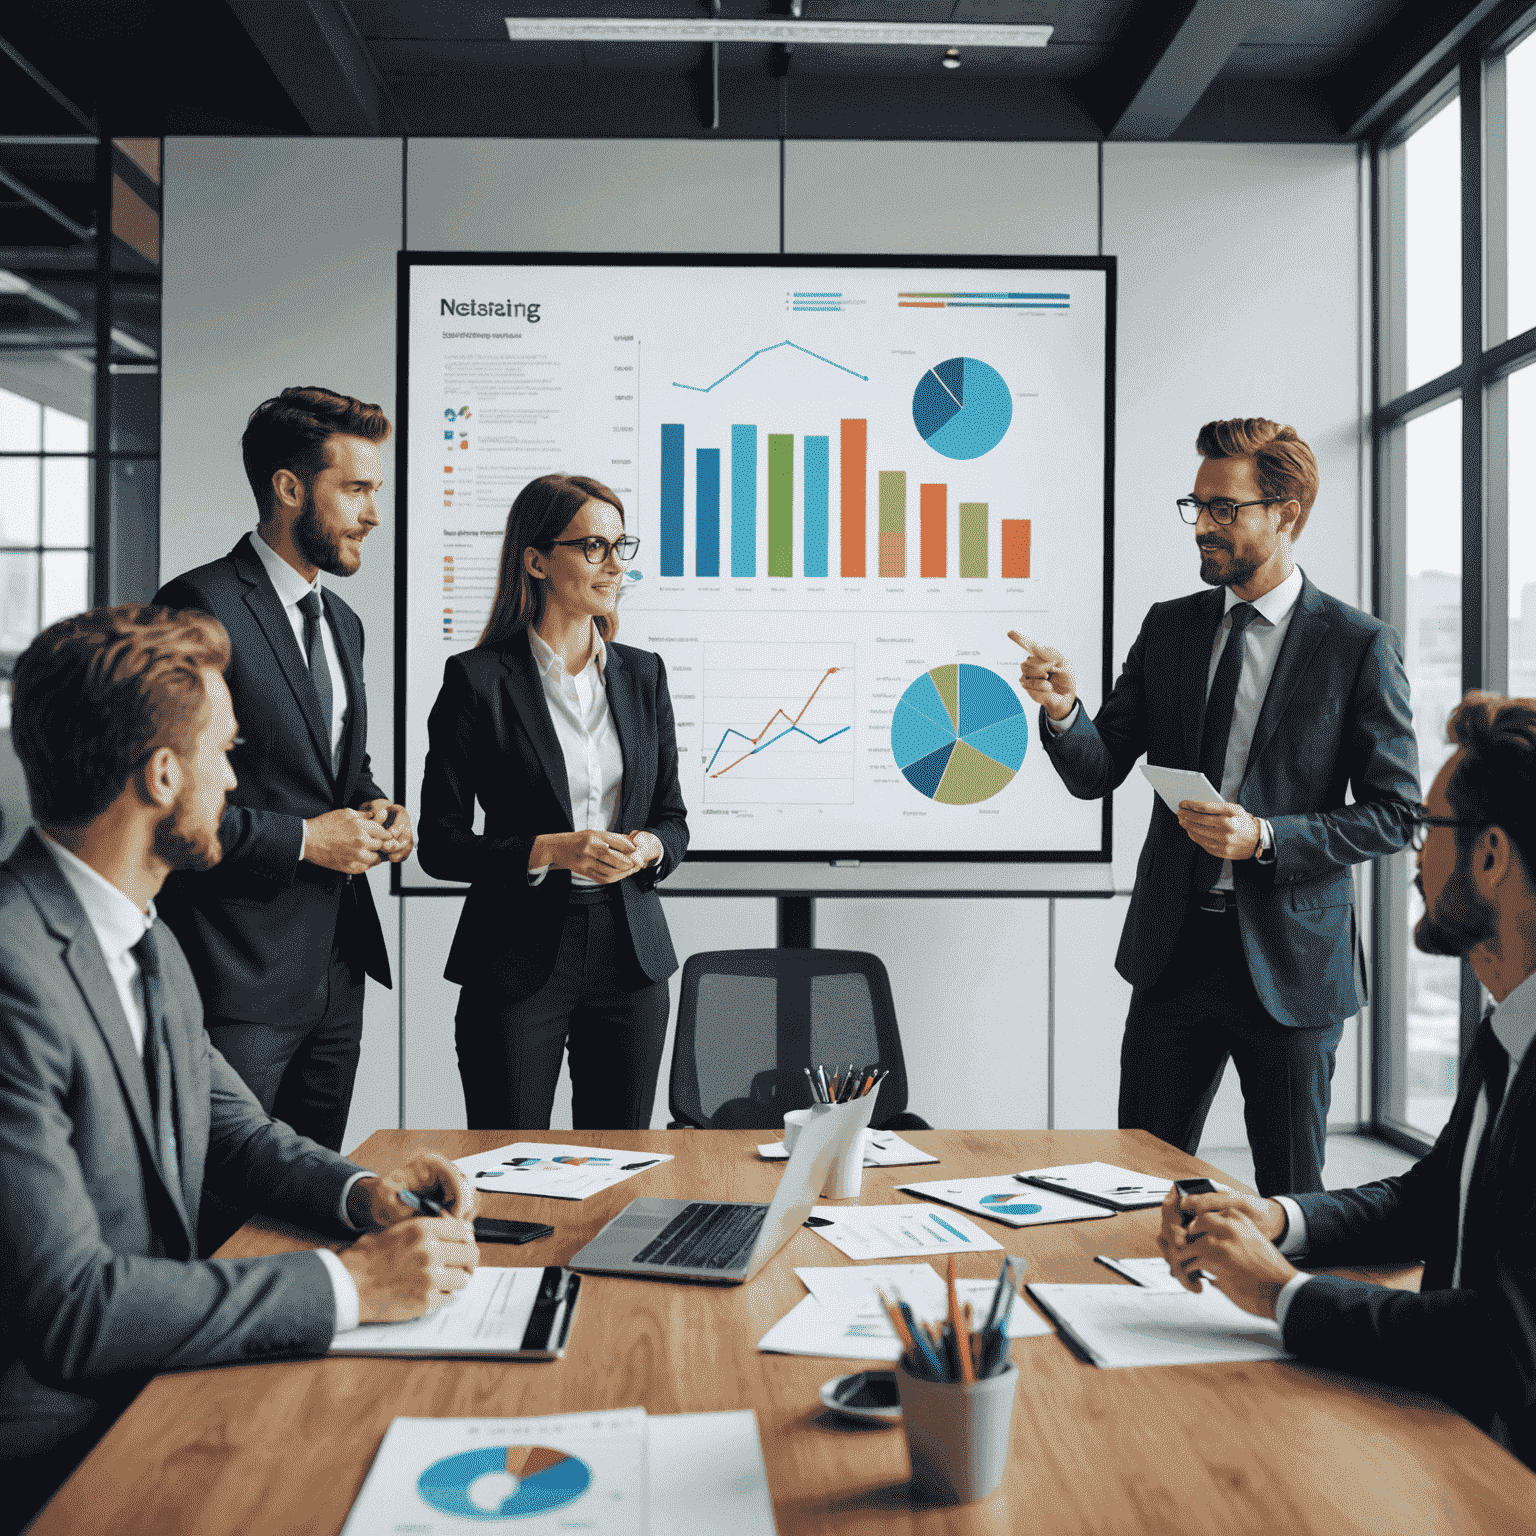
(1176, 784)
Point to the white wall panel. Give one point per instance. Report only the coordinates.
(1089, 1005)
(970, 982)
(593, 195)
(280, 269)
(969, 199)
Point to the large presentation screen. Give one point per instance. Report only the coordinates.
(850, 479)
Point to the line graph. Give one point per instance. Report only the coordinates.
(704, 389)
(778, 723)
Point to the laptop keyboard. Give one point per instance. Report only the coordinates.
(704, 1236)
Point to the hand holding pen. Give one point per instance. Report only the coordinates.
(384, 1201)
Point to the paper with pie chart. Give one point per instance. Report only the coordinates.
(583, 1471)
(959, 734)
(555, 1171)
(1001, 1198)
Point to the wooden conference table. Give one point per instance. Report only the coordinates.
(1219, 1449)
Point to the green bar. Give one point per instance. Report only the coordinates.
(973, 538)
(781, 504)
(893, 501)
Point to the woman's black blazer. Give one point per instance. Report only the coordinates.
(490, 738)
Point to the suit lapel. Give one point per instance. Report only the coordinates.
(525, 688)
(267, 609)
(626, 726)
(1194, 668)
(352, 743)
(1308, 629)
(82, 956)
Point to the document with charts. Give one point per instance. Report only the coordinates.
(898, 1231)
(554, 1171)
(1001, 1198)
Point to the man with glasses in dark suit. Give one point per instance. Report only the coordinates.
(1468, 1206)
(282, 932)
(1242, 941)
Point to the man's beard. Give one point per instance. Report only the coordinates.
(182, 847)
(1461, 919)
(311, 540)
(1239, 572)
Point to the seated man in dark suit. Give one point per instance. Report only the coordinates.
(1468, 1206)
(116, 1113)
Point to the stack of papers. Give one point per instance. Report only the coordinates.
(1151, 1274)
(1002, 1198)
(1121, 1189)
(558, 1172)
(899, 1231)
(882, 1149)
(611, 1473)
(842, 1317)
(1115, 1325)
(505, 1313)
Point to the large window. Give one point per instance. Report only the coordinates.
(1455, 434)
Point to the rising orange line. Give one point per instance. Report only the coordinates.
(775, 715)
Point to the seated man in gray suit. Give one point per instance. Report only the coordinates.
(116, 1113)
(1468, 1206)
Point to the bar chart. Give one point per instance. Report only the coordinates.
(798, 496)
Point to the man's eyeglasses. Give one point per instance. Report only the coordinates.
(596, 549)
(1422, 824)
(1222, 511)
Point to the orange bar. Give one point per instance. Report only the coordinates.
(931, 546)
(855, 451)
(1015, 547)
(914, 304)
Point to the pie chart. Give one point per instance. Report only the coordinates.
(959, 734)
(504, 1482)
(1009, 1205)
(962, 407)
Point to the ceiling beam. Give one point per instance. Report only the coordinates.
(1162, 62)
(314, 49)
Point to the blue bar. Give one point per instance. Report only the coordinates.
(706, 523)
(743, 501)
(816, 482)
(672, 499)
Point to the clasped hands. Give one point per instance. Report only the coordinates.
(353, 842)
(408, 1264)
(1231, 1241)
(602, 857)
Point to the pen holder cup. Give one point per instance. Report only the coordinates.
(846, 1176)
(957, 1433)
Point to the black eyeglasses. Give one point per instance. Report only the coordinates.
(1222, 511)
(1422, 824)
(596, 549)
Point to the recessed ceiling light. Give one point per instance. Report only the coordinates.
(768, 29)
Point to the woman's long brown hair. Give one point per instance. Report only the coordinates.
(542, 512)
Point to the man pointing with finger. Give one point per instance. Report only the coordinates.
(281, 933)
(1242, 940)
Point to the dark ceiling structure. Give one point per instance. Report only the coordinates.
(1215, 70)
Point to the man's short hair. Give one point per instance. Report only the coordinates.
(290, 431)
(1287, 470)
(96, 694)
(1494, 784)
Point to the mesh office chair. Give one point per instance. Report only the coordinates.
(750, 1020)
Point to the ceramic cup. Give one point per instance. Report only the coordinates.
(846, 1177)
(957, 1433)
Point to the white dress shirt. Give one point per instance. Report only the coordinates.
(1261, 649)
(292, 589)
(118, 926)
(594, 763)
(1514, 1026)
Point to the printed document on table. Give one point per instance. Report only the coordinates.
(843, 1290)
(1151, 1274)
(707, 1475)
(490, 1316)
(895, 1231)
(882, 1149)
(1119, 1325)
(1003, 1199)
(441, 1477)
(1122, 1188)
(554, 1171)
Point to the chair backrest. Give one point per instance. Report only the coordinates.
(751, 1020)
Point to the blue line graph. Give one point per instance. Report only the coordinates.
(704, 389)
(763, 746)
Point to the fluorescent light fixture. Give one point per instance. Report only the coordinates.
(901, 34)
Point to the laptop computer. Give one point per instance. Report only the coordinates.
(721, 1242)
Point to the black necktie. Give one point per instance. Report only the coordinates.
(1494, 1060)
(314, 656)
(157, 1059)
(1218, 726)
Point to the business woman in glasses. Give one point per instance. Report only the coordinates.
(567, 741)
